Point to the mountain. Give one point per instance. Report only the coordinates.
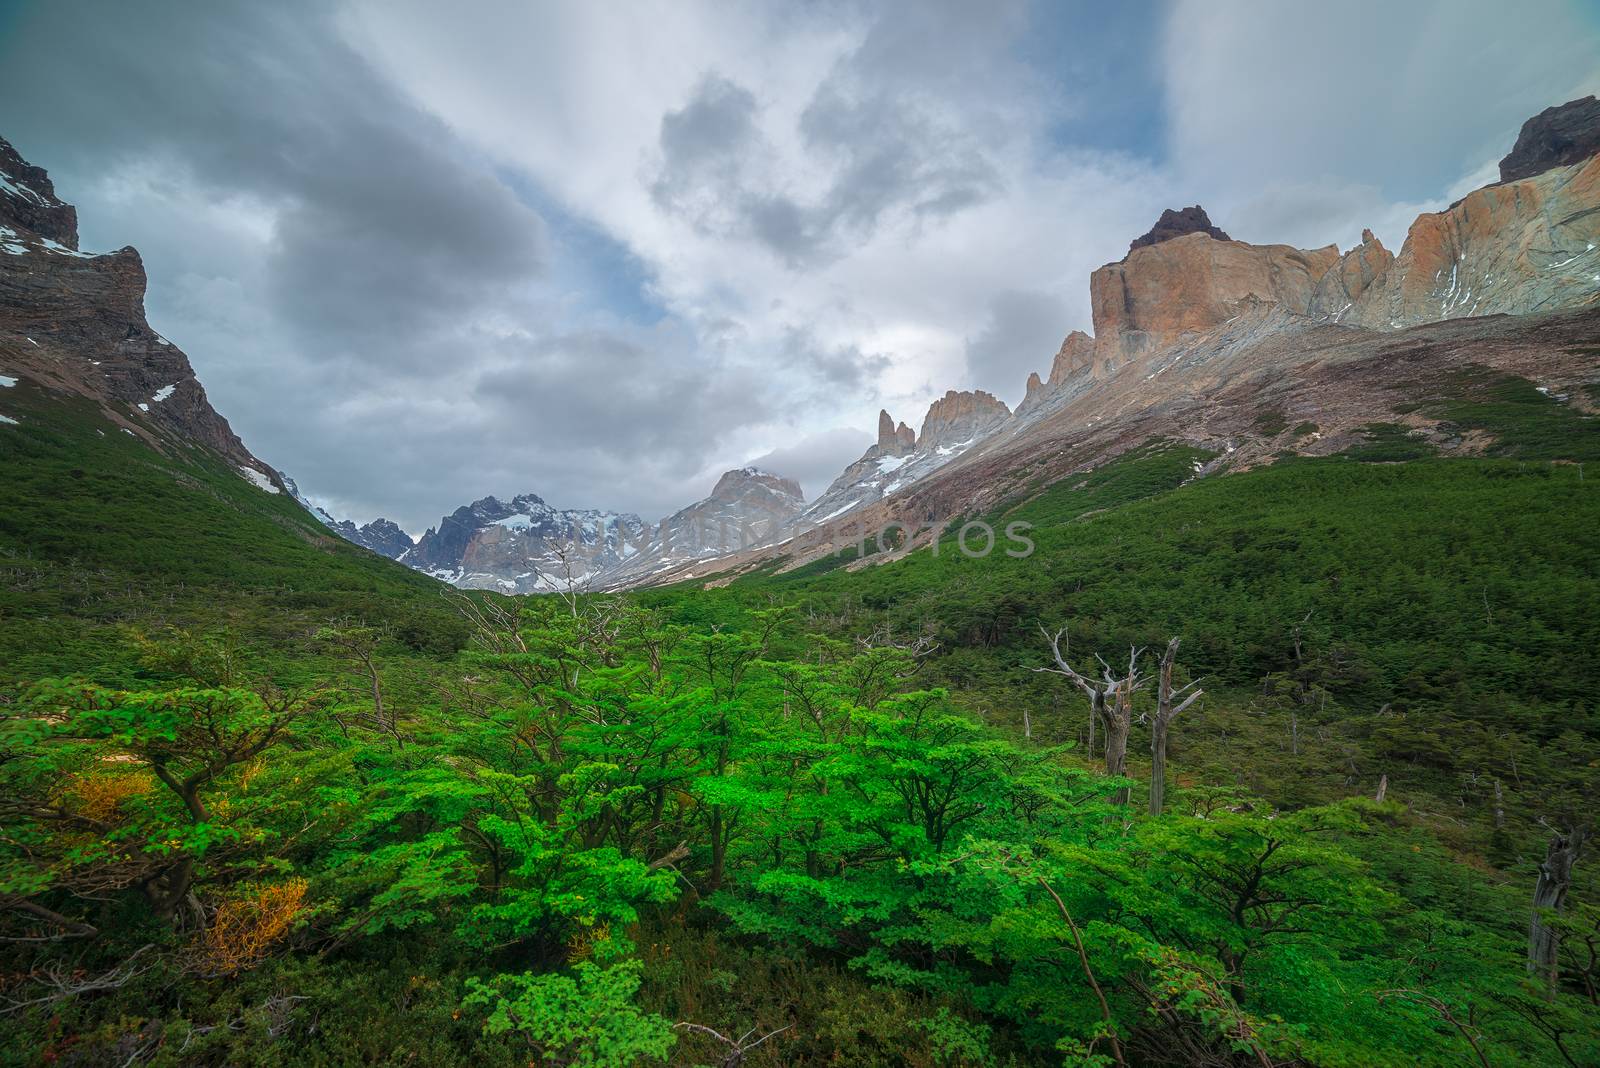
(747, 507)
(1253, 352)
(524, 545)
(73, 323)
(900, 456)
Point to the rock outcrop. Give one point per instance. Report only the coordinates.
(1193, 283)
(1511, 248)
(894, 440)
(952, 425)
(28, 200)
(1173, 224)
(1344, 283)
(74, 322)
(1556, 137)
(382, 536)
(960, 418)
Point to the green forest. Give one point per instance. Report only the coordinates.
(1291, 766)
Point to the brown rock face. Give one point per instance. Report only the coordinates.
(1343, 285)
(75, 322)
(28, 198)
(1075, 357)
(959, 417)
(1176, 224)
(1556, 137)
(1193, 283)
(894, 440)
(1525, 246)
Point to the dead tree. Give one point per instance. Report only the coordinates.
(738, 1048)
(1166, 712)
(1550, 896)
(1110, 701)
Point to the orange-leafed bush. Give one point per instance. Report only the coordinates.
(248, 925)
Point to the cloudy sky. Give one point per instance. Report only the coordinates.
(421, 252)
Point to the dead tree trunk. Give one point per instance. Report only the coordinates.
(1166, 712)
(1550, 895)
(1110, 702)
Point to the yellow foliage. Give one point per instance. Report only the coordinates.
(582, 945)
(250, 772)
(97, 794)
(246, 927)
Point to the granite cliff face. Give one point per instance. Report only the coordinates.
(959, 418)
(1348, 279)
(894, 440)
(73, 322)
(1512, 248)
(1192, 283)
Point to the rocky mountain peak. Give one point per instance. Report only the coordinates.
(1191, 220)
(894, 440)
(28, 199)
(1556, 137)
(959, 417)
(743, 483)
(1341, 287)
(74, 323)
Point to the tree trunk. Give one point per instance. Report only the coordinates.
(1550, 894)
(1158, 766)
(719, 850)
(1117, 715)
(1166, 712)
(1383, 789)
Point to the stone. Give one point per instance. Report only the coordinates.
(1173, 224)
(1510, 248)
(1556, 137)
(1340, 288)
(960, 417)
(1193, 283)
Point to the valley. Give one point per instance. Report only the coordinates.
(1279, 747)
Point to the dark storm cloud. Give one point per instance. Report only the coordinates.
(384, 339)
(384, 224)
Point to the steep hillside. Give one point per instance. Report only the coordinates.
(127, 503)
